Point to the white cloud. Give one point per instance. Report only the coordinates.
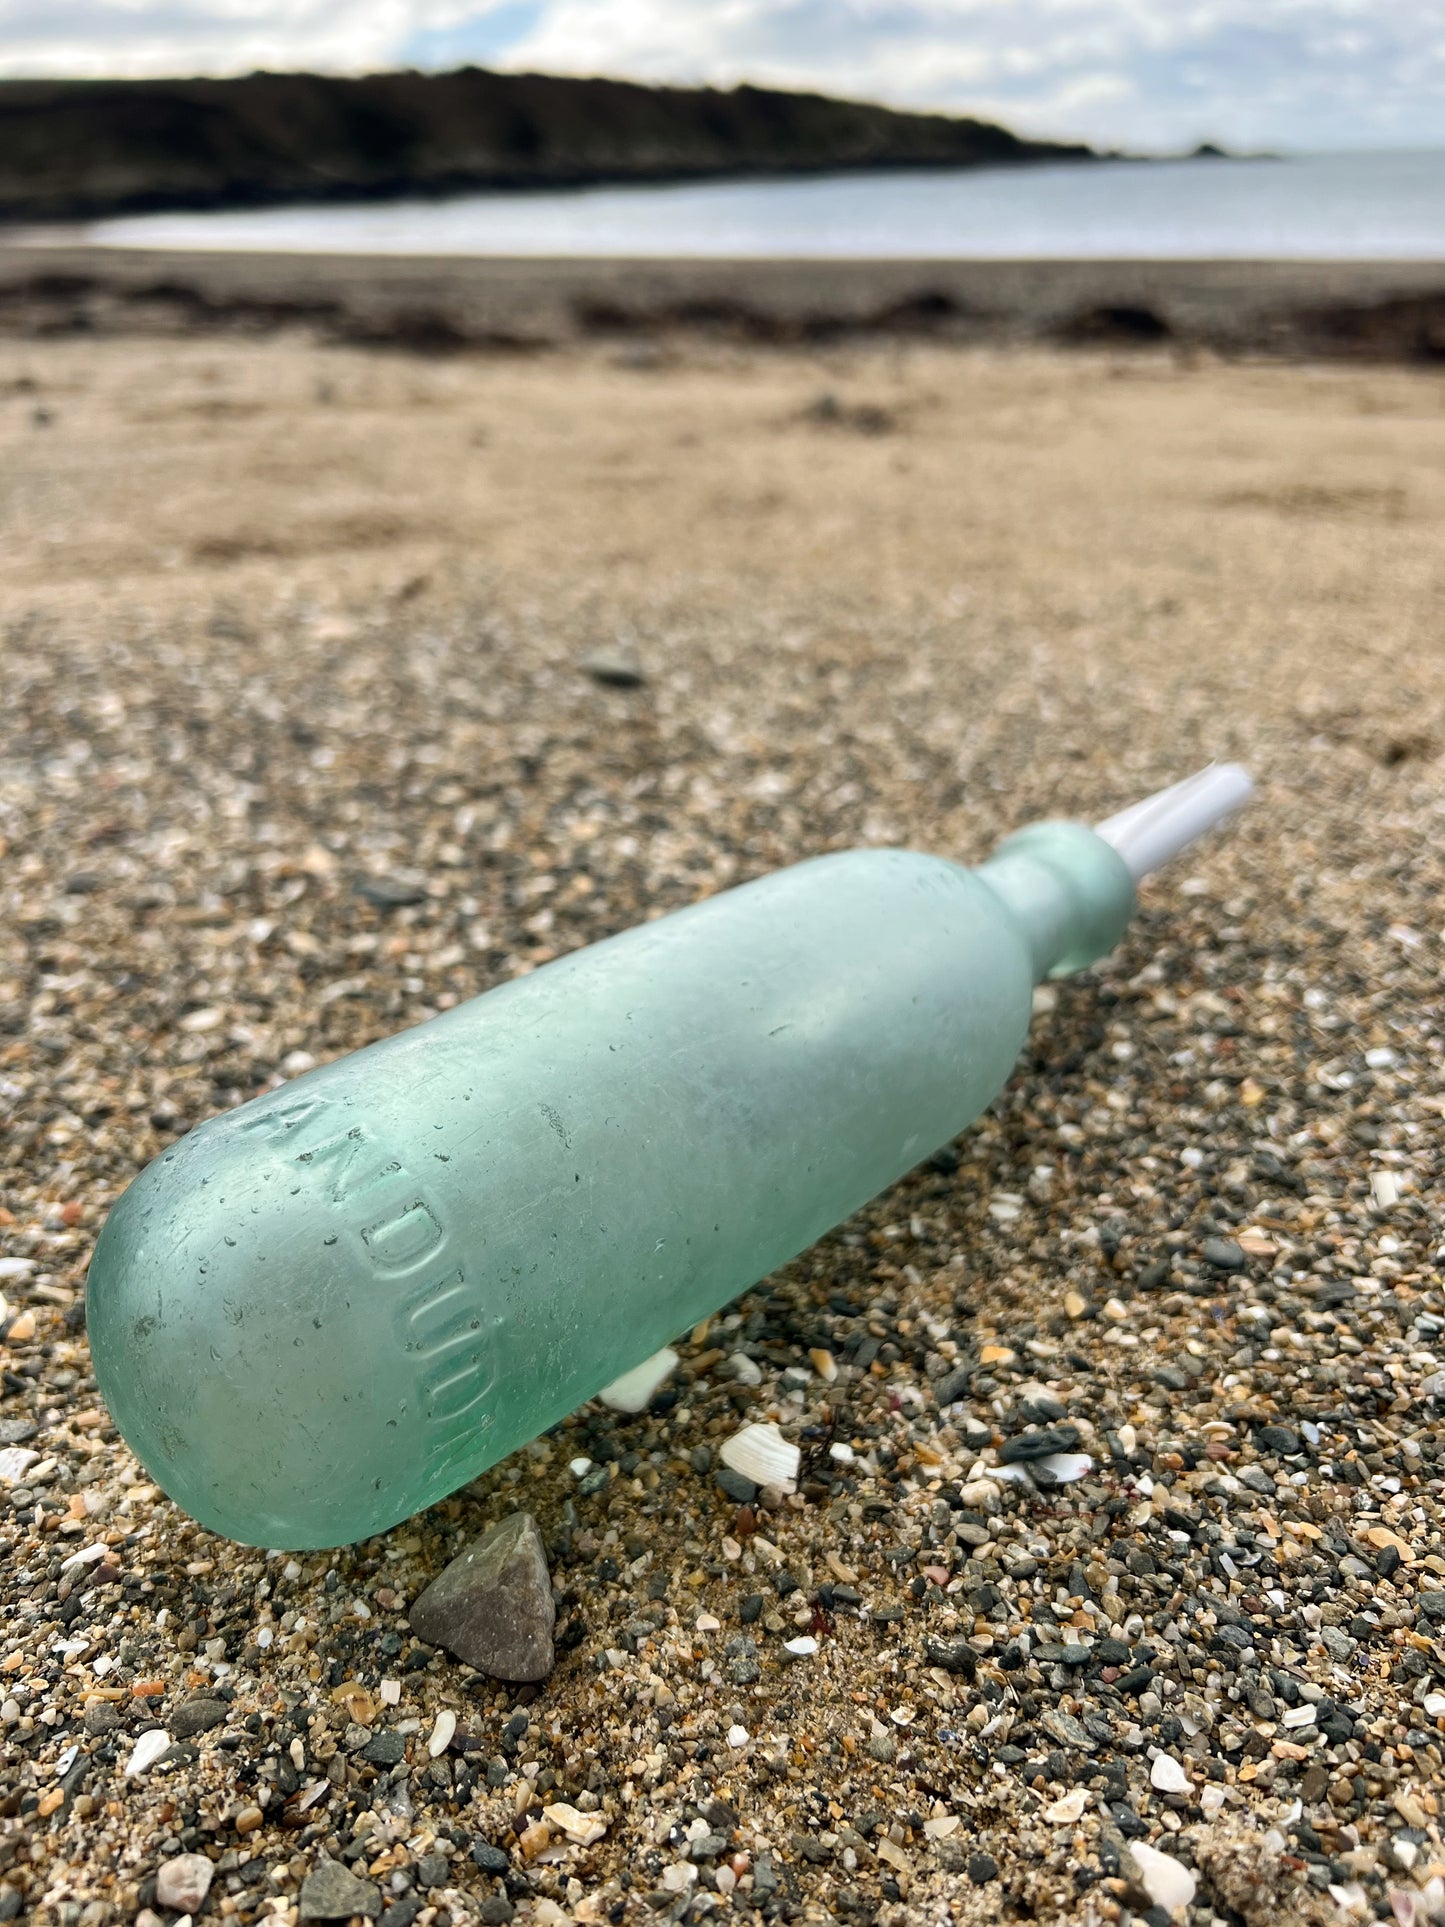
(1128, 72)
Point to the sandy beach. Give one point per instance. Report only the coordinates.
(282, 619)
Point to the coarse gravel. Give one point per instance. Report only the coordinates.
(299, 747)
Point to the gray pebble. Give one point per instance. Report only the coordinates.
(1038, 1445)
(493, 1605)
(330, 1892)
(196, 1716)
(1224, 1254)
(184, 1881)
(613, 670)
(952, 1386)
(385, 1749)
(1067, 1730)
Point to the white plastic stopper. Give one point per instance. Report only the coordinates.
(1149, 833)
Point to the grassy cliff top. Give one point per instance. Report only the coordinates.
(81, 148)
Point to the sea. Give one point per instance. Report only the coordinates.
(1339, 206)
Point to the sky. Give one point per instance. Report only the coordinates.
(1139, 74)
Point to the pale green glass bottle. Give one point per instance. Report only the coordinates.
(327, 1309)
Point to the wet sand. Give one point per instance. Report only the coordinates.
(1371, 311)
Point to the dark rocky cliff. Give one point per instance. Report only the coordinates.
(75, 148)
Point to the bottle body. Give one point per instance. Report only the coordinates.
(321, 1312)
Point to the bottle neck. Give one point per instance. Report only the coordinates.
(1070, 893)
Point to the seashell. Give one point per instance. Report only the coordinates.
(1061, 1468)
(1168, 1883)
(582, 1829)
(762, 1454)
(147, 1750)
(635, 1390)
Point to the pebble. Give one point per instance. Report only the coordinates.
(331, 1892)
(952, 1386)
(390, 893)
(1043, 1444)
(196, 1716)
(614, 670)
(1066, 1729)
(442, 1733)
(387, 1748)
(1224, 1254)
(733, 1483)
(1167, 1882)
(1167, 1775)
(183, 1882)
(493, 1606)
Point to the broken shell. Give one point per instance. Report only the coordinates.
(762, 1454)
(582, 1829)
(1168, 1883)
(1061, 1468)
(635, 1390)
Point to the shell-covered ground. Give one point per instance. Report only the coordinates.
(299, 748)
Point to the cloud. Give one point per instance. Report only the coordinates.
(1143, 73)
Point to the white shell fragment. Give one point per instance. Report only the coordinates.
(1061, 1468)
(15, 1462)
(442, 1733)
(801, 1648)
(582, 1829)
(147, 1750)
(1384, 1190)
(1167, 1775)
(762, 1454)
(737, 1736)
(635, 1390)
(1068, 1808)
(1168, 1883)
(1012, 1474)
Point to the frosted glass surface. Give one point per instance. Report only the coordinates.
(321, 1312)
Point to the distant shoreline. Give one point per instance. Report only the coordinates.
(73, 150)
